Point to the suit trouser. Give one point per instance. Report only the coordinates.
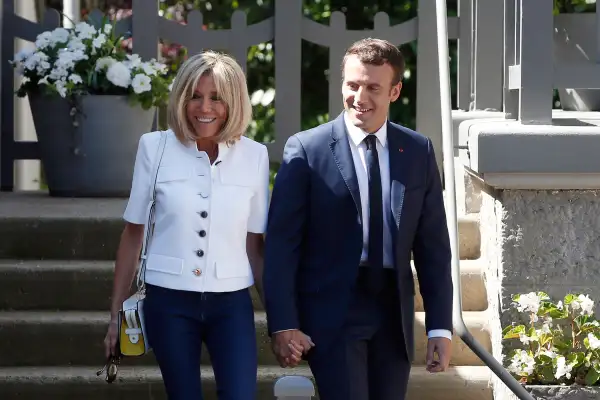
(178, 322)
(368, 361)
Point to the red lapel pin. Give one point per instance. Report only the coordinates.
(401, 150)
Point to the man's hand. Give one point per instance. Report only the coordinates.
(443, 348)
(289, 346)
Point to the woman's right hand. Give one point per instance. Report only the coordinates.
(110, 340)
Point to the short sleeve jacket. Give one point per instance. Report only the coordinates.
(203, 212)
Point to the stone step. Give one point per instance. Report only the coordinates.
(44, 338)
(137, 383)
(36, 226)
(86, 285)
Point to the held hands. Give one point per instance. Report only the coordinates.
(289, 346)
(443, 348)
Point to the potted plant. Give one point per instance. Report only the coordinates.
(91, 102)
(557, 348)
(574, 43)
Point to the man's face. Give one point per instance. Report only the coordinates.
(367, 91)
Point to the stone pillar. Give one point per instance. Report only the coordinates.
(538, 192)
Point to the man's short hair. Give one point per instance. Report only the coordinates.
(377, 52)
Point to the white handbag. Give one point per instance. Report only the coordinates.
(132, 329)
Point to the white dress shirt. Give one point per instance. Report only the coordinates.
(358, 147)
(203, 212)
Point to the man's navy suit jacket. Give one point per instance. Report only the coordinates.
(314, 237)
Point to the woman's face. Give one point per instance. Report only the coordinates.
(206, 112)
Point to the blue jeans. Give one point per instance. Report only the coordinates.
(177, 322)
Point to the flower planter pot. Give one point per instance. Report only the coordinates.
(575, 43)
(93, 153)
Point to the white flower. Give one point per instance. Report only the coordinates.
(85, 30)
(562, 368)
(51, 39)
(58, 74)
(158, 66)
(23, 55)
(38, 61)
(99, 41)
(61, 88)
(59, 35)
(141, 83)
(75, 79)
(529, 302)
(107, 29)
(119, 75)
(43, 40)
(522, 363)
(594, 341)
(545, 329)
(550, 353)
(149, 69)
(133, 61)
(583, 303)
(42, 67)
(104, 63)
(527, 339)
(66, 62)
(44, 80)
(34, 60)
(75, 44)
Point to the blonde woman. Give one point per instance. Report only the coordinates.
(206, 250)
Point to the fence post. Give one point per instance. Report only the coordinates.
(294, 387)
(537, 52)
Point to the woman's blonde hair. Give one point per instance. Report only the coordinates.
(231, 88)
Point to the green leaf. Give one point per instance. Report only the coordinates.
(554, 312)
(543, 296)
(543, 359)
(575, 359)
(580, 320)
(591, 377)
(563, 345)
(546, 374)
(513, 332)
(591, 326)
(569, 299)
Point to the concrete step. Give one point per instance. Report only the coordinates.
(75, 338)
(459, 383)
(36, 226)
(87, 285)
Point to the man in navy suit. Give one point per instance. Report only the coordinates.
(352, 199)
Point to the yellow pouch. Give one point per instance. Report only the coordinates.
(132, 332)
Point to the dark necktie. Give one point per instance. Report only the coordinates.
(375, 247)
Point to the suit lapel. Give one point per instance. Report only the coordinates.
(340, 147)
(399, 170)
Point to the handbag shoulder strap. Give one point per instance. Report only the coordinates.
(156, 165)
(149, 225)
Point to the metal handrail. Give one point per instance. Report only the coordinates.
(460, 327)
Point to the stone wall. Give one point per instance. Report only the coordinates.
(536, 240)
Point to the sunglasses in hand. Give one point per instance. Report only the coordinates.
(111, 367)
